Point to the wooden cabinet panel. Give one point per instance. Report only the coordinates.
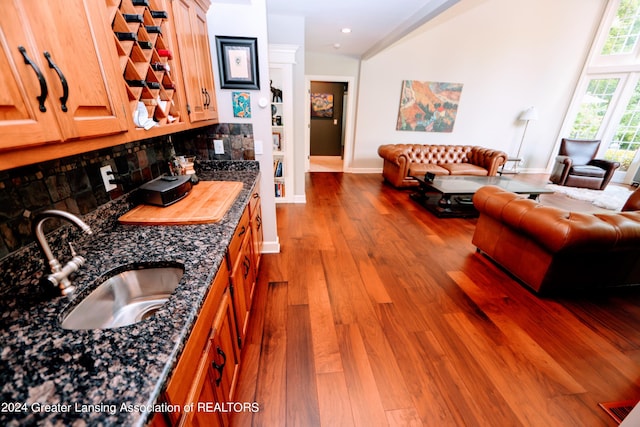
(21, 121)
(205, 67)
(208, 369)
(76, 43)
(180, 385)
(225, 355)
(243, 281)
(66, 48)
(257, 233)
(195, 59)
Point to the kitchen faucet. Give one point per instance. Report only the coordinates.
(59, 275)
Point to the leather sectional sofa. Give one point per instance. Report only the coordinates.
(401, 161)
(552, 250)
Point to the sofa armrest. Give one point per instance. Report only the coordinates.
(394, 153)
(396, 163)
(488, 158)
(609, 167)
(560, 169)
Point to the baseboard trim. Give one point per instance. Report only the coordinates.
(271, 247)
(363, 170)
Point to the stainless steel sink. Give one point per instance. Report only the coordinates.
(126, 297)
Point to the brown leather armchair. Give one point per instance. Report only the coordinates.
(576, 165)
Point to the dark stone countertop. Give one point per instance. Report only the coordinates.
(112, 369)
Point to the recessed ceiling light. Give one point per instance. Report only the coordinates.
(336, 45)
(346, 30)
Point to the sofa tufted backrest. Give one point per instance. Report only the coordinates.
(438, 154)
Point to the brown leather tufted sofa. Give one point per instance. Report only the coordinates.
(552, 250)
(401, 161)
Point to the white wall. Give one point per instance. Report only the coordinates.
(322, 64)
(508, 54)
(249, 20)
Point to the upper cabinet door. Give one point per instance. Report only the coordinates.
(55, 83)
(195, 59)
(25, 107)
(205, 63)
(72, 37)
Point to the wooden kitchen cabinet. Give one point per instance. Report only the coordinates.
(243, 280)
(190, 19)
(217, 373)
(56, 77)
(244, 259)
(239, 259)
(207, 371)
(257, 234)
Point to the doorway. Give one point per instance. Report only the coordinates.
(326, 125)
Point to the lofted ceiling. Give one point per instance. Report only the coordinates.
(374, 24)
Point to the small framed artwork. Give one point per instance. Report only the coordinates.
(322, 105)
(277, 141)
(241, 104)
(238, 62)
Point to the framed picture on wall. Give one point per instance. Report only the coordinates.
(277, 141)
(238, 62)
(322, 105)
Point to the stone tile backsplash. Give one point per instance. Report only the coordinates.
(74, 183)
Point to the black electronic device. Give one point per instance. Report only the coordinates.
(166, 190)
(429, 177)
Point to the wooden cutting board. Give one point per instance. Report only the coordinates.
(207, 202)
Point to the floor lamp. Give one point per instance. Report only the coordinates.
(527, 115)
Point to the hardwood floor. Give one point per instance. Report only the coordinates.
(377, 313)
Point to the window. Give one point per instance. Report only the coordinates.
(594, 106)
(626, 139)
(607, 103)
(624, 30)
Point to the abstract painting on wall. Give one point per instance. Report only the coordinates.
(428, 106)
(322, 105)
(241, 104)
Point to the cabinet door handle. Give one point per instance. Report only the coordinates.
(43, 83)
(206, 93)
(242, 230)
(63, 80)
(259, 221)
(206, 102)
(217, 367)
(247, 265)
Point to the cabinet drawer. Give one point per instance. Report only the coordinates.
(242, 231)
(186, 369)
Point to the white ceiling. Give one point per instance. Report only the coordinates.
(375, 24)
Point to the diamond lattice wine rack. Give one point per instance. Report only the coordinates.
(140, 32)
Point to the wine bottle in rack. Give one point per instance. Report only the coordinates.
(126, 36)
(160, 66)
(153, 85)
(133, 17)
(159, 14)
(140, 3)
(153, 29)
(165, 53)
(136, 83)
(145, 44)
